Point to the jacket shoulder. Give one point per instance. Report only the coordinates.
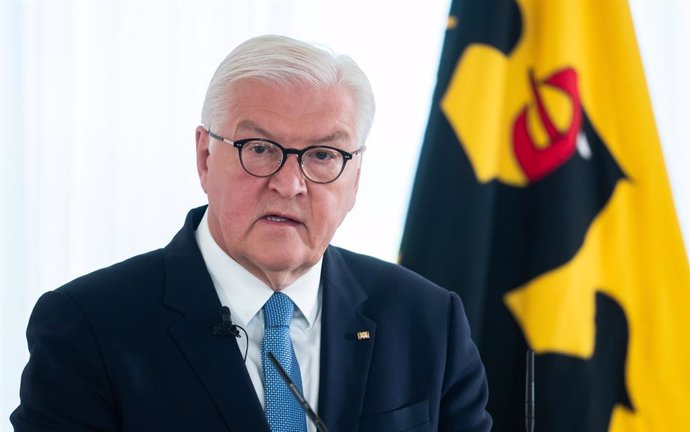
(122, 279)
(378, 275)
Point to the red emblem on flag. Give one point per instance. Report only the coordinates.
(537, 162)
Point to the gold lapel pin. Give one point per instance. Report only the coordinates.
(362, 335)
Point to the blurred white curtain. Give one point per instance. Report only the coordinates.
(99, 101)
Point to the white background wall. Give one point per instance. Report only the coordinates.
(99, 101)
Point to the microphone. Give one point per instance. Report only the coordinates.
(226, 328)
(529, 391)
(320, 426)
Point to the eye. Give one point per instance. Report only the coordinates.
(322, 155)
(260, 148)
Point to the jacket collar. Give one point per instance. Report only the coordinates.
(347, 343)
(216, 360)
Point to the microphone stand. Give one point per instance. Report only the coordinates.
(529, 392)
(320, 426)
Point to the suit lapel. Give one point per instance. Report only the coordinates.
(216, 360)
(347, 343)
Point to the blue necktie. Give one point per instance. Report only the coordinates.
(283, 412)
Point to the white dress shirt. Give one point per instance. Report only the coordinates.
(245, 295)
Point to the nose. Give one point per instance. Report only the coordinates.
(289, 181)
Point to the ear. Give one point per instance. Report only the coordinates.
(202, 154)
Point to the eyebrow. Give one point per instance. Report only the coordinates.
(339, 135)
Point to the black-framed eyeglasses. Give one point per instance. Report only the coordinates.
(262, 157)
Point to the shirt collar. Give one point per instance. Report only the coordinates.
(244, 293)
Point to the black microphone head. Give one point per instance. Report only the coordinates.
(220, 330)
(225, 327)
(225, 316)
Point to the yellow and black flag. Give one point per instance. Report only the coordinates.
(542, 198)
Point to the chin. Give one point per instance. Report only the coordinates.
(279, 261)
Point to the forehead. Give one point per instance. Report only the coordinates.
(290, 112)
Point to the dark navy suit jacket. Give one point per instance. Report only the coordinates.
(131, 348)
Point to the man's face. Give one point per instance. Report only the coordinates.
(279, 226)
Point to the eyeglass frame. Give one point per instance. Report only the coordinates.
(239, 144)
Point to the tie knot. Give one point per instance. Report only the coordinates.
(278, 310)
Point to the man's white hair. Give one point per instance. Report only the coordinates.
(284, 61)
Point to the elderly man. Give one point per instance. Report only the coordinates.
(180, 339)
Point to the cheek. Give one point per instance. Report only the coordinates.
(335, 208)
(352, 197)
(225, 189)
(349, 194)
(215, 180)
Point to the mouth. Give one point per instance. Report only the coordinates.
(281, 219)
